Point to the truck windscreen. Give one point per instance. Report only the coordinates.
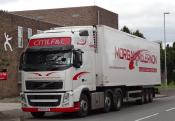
(47, 60)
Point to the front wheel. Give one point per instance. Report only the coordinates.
(84, 106)
(107, 102)
(37, 114)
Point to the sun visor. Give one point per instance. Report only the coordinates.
(50, 48)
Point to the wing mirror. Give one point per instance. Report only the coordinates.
(77, 58)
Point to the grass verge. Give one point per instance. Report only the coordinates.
(171, 85)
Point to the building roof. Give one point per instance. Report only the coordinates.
(87, 15)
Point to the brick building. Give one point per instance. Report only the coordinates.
(89, 15)
(14, 33)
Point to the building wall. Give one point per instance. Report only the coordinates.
(9, 59)
(74, 16)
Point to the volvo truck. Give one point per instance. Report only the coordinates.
(84, 68)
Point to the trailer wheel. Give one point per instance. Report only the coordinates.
(37, 114)
(118, 100)
(84, 106)
(107, 102)
(150, 95)
(142, 100)
(146, 96)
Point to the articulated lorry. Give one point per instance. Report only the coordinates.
(83, 68)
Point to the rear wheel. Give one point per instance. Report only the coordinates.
(37, 114)
(142, 100)
(150, 95)
(118, 100)
(146, 96)
(107, 102)
(84, 106)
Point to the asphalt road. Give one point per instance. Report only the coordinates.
(162, 109)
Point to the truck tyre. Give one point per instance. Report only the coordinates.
(84, 106)
(118, 100)
(150, 95)
(142, 100)
(107, 102)
(146, 96)
(37, 114)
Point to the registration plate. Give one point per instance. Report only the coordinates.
(43, 109)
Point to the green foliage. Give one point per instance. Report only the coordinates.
(136, 33)
(170, 56)
(126, 29)
(171, 85)
(174, 45)
(162, 59)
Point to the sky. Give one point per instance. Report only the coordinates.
(144, 15)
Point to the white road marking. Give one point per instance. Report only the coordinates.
(146, 117)
(170, 109)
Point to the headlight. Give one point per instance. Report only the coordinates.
(66, 97)
(23, 100)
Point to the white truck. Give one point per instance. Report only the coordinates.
(83, 68)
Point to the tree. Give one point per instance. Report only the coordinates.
(170, 55)
(126, 29)
(174, 45)
(162, 59)
(137, 33)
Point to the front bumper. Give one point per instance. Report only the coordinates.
(49, 102)
(67, 109)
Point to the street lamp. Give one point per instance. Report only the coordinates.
(165, 13)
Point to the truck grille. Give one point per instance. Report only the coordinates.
(43, 85)
(44, 100)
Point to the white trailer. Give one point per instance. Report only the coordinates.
(83, 68)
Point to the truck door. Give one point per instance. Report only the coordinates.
(85, 75)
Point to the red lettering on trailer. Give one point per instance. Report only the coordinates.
(123, 53)
(60, 41)
(143, 56)
(144, 69)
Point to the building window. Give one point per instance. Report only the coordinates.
(20, 37)
(29, 32)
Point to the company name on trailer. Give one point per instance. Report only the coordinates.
(143, 56)
(61, 41)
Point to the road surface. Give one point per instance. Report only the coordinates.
(162, 109)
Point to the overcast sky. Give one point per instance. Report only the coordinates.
(145, 15)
